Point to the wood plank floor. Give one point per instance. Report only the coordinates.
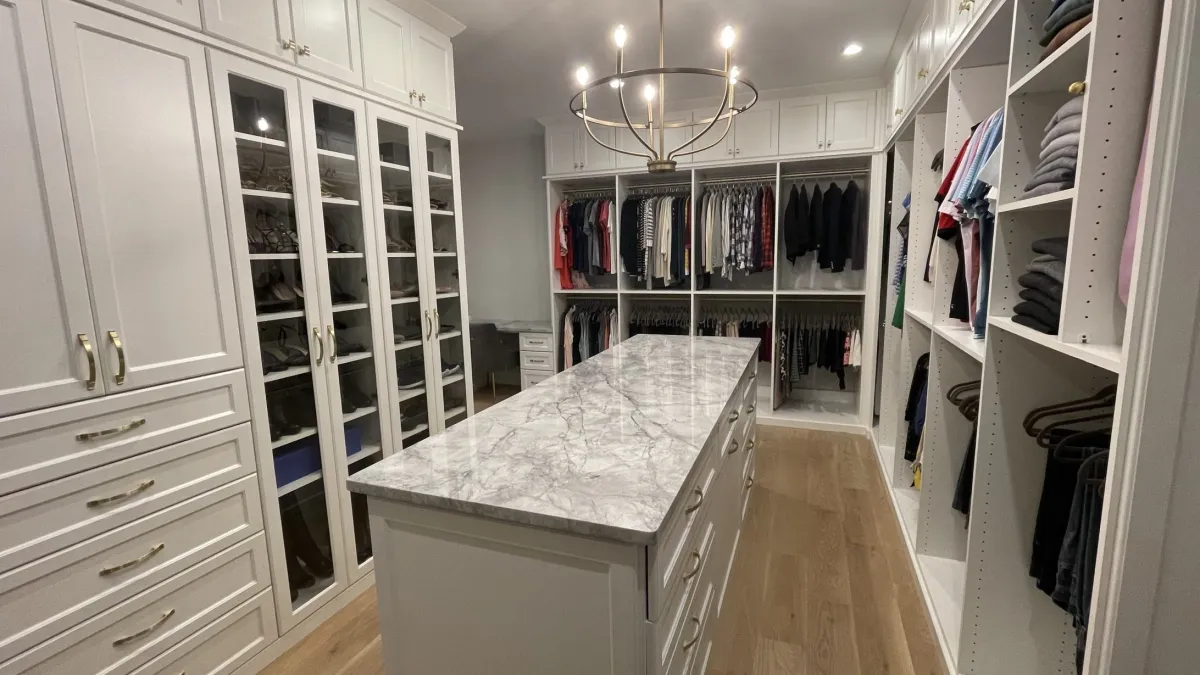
(822, 583)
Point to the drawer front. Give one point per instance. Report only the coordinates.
(48, 444)
(696, 621)
(53, 516)
(530, 379)
(543, 361)
(44, 598)
(130, 634)
(222, 646)
(671, 623)
(537, 342)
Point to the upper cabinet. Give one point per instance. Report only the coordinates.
(327, 38)
(406, 60)
(838, 122)
(756, 131)
(802, 125)
(958, 17)
(569, 149)
(923, 54)
(186, 12)
(261, 25)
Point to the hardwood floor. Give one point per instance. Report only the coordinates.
(822, 583)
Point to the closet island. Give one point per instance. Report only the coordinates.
(587, 525)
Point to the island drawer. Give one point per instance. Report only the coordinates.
(48, 444)
(697, 621)
(139, 629)
(50, 517)
(45, 597)
(670, 625)
(222, 646)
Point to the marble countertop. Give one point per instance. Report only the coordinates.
(505, 326)
(602, 449)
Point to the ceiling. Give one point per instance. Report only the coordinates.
(515, 61)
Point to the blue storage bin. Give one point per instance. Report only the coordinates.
(353, 440)
(295, 461)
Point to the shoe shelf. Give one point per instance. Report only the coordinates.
(445, 296)
(351, 358)
(292, 438)
(284, 374)
(344, 256)
(405, 301)
(266, 194)
(350, 306)
(303, 481)
(274, 256)
(361, 412)
(403, 254)
(339, 201)
(414, 431)
(394, 167)
(435, 177)
(410, 394)
(252, 142)
(280, 316)
(456, 411)
(368, 450)
(444, 254)
(450, 334)
(407, 344)
(397, 207)
(458, 377)
(341, 156)
(441, 212)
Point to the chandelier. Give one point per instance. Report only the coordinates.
(659, 158)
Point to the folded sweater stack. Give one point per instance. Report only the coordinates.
(1067, 18)
(1060, 151)
(1042, 287)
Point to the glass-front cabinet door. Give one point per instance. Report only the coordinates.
(407, 325)
(339, 195)
(280, 286)
(447, 279)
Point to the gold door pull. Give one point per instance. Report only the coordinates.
(332, 345)
(87, 349)
(104, 501)
(320, 345)
(119, 378)
(154, 550)
(93, 435)
(1077, 88)
(145, 631)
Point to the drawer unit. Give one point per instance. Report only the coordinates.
(539, 361)
(671, 623)
(130, 634)
(222, 646)
(45, 597)
(696, 622)
(48, 444)
(537, 342)
(530, 379)
(50, 517)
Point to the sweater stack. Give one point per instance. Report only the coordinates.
(1067, 18)
(1059, 156)
(1042, 287)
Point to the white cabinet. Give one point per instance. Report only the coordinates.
(46, 313)
(186, 12)
(143, 157)
(923, 50)
(593, 156)
(570, 149)
(327, 38)
(261, 25)
(561, 149)
(802, 125)
(957, 19)
(756, 131)
(432, 58)
(675, 137)
(406, 60)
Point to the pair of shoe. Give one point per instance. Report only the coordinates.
(449, 369)
(335, 245)
(353, 396)
(291, 410)
(304, 556)
(284, 354)
(406, 333)
(410, 377)
(405, 291)
(399, 246)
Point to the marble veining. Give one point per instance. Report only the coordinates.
(601, 449)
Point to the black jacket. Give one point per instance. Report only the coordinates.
(796, 231)
(847, 222)
(816, 220)
(831, 245)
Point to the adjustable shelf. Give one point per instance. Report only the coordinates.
(284, 374)
(456, 411)
(266, 194)
(274, 256)
(351, 358)
(291, 487)
(368, 450)
(409, 394)
(1066, 65)
(253, 142)
(452, 379)
(292, 438)
(1107, 357)
(414, 431)
(340, 156)
(280, 316)
(394, 167)
(361, 412)
(407, 344)
(1058, 201)
(449, 334)
(964, 339)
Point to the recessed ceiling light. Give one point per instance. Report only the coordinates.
(852, 49)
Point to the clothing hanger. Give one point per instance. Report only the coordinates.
(953, 394)
(1043, 437)
(1062, 449)
(1105, 397)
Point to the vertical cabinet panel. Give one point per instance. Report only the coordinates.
(261, 25)
(432, 71)
(327, 35)
(596, 157)
(144, 161)
(851, 121)
(756, 131)
(720, 152)
(386, 34)
(46, 305)
(802, 125)
(561, 142)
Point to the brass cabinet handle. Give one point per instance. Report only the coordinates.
(305, 51)
(332, 344)
(922, 74)
(116, 340)
(291, 44)
(1077, 88)
(733, 416)
(437, 322)
(428, 326)
(700, 500)
(733, 447)
(965, 6)
(694, 555)
(93, 435)
(899, 111)
(145, 631)
(695, 636)
(104, 501)
(320, 345)
(154, 550)
(421, 98)
(87, 349)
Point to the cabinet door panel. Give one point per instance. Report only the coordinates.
(183, 11)
(802, 125)
(143, 156)
(596, 157)
(851, 121)
(46, 305)
(560, 149)
(327, 32)
(721, 152)
(924, 54)
(261, 25)
(959, 17)
(757, 131)
(432, 71)
(386, 34)
(627, 141)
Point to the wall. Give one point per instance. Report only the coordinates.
(504, 221)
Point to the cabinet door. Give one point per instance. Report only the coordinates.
(261, 25)
(756, 131)
(45, 314)
(851, 121)
(802, 125)
(182, 11)
(959, 17)
(627, 141)
(561, 142)
(924, 53)
(432, 71)
(386, 34)
(941, 13)
(721, 152)
(899, 90)
(143, 154)
(676, 136)
(327, 35)
(596, 157)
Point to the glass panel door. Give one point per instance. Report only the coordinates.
(449, 317)
(283, 271)
(408, 324)
(337, 175)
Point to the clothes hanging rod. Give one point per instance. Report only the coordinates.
(784, 177)
(660, 186)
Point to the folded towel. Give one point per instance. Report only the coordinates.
(1055, 246)
(1060, 163)
(1039, 312)
(1055, 269)
(1068, 31)
(1069, 152)
(1067, 19)
(1046, 258)
(1034, 295)
(1033, 323)
(1067, 125)
(1073, 106)
(1065, 141)
(1065, 8)
(1042, 283)
(1055, 176)
(1047, 189)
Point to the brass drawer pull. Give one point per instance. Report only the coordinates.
(695, 555)
(700, 500)
(320, 345)
(291, 44)
(305, 51)
(116, 340)
(145, 631)
(87, 349)
(333, 344)
(93, 435)
(733, 416)
(733, 447)
(1077, 88)
(104, 501)
(154, 550)
(695, 636)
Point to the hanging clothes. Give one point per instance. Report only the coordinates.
(586, 329)
(914, 409)
(660, 319)
(583, 240)
(736, 227)
(815, 341)
(656, 239)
